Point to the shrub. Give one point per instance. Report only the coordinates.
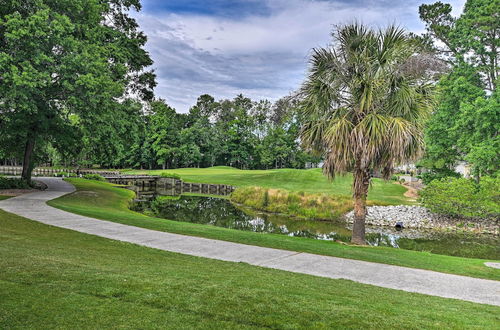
(13, 183)
(463, 197)
(95, 177)
(432, 175)
(170, 175)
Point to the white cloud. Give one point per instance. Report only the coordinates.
(259, 56)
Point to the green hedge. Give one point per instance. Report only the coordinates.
(13, 183)
(463, 197)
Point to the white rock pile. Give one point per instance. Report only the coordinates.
(420, 217)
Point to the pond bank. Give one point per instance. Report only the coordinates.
(223, 213)
(419, 217)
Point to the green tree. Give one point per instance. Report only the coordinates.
(465, 125)
(66, 58)
(164, 130)
(364, 107)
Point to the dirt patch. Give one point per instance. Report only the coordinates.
(411, 192)
(15, 192)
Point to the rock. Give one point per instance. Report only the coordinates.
(421, 218)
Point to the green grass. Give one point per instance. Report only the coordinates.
(4, 197)
(312, 181)
(104, 201)
(57, 278)
(305, 205)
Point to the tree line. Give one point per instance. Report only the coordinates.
(240, 133)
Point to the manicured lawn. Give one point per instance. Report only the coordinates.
(56, 278)
(104, 201)
(4, 197)
(311, 180)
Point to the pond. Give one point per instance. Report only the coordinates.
(221, 212)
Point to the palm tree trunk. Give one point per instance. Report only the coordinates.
(361, 184)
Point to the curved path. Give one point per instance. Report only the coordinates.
(33, 206)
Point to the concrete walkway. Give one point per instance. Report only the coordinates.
(33, 206)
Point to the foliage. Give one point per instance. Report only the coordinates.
(170, 175)
(94, 176)
(64, 66)
(466, 123)
(314, 206)
(433, 174)
(14, 183)
(463, 197)
(111, 203)
(365, 106)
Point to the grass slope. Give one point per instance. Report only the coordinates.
(104, 201)
(58, 278)
(312, 181)
(4, 197)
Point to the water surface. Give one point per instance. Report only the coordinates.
(222, 213)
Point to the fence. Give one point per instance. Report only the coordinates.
(40, 171)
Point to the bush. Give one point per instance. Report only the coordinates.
(13, 183)
(170, 175)
(432, 175)
(463, 197)
(95, 177)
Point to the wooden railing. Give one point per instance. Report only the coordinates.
(41, 171)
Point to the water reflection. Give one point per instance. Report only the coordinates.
(223, 213)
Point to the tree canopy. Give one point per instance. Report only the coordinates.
(65, 67)
(466, 123)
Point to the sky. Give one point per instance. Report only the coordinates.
(258, 48)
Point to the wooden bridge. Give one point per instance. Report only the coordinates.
(160, 183)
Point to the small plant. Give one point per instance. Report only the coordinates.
(170, 175)
(394, 178)
(95, 177)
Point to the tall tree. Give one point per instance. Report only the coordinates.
(465, 125)
(67, 58)
(364, 107)
(164, 130)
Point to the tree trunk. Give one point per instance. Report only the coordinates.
(361, 184)
(28, 158)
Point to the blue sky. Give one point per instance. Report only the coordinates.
(259, 48)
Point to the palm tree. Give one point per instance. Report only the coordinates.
(364, 103)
